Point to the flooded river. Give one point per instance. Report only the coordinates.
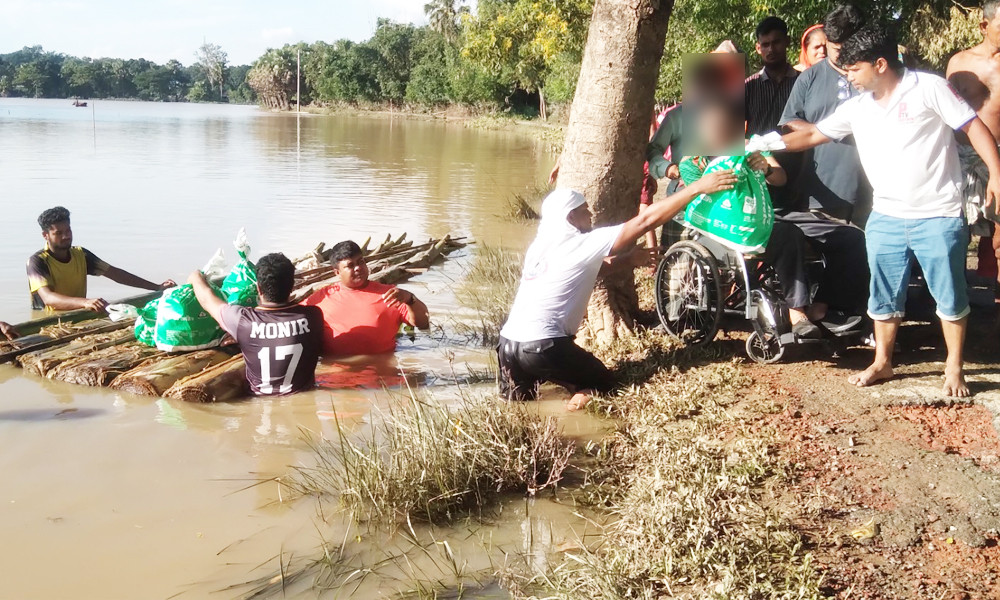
(107, 495)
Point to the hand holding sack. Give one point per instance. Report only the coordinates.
(176, 322)
(240, 286)
(740, 218)
(181, 323)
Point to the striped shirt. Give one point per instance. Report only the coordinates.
(765, 100)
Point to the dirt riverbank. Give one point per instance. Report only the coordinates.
(895, 488)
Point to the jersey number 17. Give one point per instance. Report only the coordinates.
(280, 353)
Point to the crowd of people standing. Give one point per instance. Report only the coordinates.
(884, 167)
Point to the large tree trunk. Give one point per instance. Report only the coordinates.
(608, 133)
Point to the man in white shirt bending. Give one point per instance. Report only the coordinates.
(560, 269)
(904, 125)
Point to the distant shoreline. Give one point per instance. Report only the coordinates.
(551, 132)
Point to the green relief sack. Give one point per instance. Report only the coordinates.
(145, 325)
(240, 286)
(182, 324)
(741, 217)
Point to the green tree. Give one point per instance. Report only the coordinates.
(80, 76)
(445, 17)
(212, 60)
(40, 77)
(345, 72)
(522, 39)
(394, 43)
(119, 76)
(166, 83)
(429, 82)
(238, 90)
(199, 92)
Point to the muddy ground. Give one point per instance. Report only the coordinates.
(895, 488)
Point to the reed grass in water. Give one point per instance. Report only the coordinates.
(431, 462)
(488, 289)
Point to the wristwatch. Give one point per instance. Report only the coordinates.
(769, 170)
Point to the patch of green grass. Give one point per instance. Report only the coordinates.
(432, 462)
(520, 207)
(680, 481)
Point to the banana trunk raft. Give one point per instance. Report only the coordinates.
(75, 347)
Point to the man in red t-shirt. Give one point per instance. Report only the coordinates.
(362, 316)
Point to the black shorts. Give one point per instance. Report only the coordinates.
(525, 365)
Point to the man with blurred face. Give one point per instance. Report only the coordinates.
(975, 73)
(57, 275)
(362, 316)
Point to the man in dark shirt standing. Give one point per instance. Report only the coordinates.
(281, 341)
(766, 93)
(767, 90)
(834, 191)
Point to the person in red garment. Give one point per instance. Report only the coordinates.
(362, 316)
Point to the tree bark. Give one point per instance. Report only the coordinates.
(608, 132)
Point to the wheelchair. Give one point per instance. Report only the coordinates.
(699, 279)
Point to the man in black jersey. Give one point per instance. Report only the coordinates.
(280, 341)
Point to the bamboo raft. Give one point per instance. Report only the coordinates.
(80, 347)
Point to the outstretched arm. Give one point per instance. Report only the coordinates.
(986, 147)
(661, 212)
(206, 297)
(125, 278)
(803, 139)
(57, 301)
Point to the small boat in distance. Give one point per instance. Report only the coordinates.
(76, 102)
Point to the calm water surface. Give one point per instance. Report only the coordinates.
(113, 496)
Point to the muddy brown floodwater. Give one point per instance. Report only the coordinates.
(106, 495)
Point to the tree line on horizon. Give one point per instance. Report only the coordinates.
(34, 73)
(520, 55)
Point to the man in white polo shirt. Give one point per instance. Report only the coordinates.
(904, 125)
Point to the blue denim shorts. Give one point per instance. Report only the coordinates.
(938, 244)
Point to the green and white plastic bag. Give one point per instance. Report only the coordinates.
(240, 286)
(181, 323)
(145, 323)
(740, 218)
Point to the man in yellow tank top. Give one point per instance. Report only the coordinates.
(57, 275)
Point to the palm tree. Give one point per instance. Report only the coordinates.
(444, 17)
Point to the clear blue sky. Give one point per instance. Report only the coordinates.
(165, 29)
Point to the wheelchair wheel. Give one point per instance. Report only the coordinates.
(688, 293)
(764, 349)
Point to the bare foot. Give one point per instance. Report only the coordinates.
(579, 401)
(872, 374)
(954, 384)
